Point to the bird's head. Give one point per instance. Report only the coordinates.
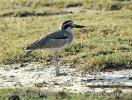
(69, 24)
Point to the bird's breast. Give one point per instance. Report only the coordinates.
(56, 49)
(70, 35)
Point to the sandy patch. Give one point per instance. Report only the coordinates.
(74, 80)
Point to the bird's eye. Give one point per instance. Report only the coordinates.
(66, 26)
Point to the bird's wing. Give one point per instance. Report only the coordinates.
(54, 43)
(51, 40)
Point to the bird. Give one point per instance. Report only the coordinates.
(55, 41)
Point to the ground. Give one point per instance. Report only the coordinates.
(71, 79)
(105, 44)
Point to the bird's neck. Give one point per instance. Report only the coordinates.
(68, 30)
(70, 34)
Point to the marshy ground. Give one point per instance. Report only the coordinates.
(105, 44)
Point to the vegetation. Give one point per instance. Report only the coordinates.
(105, 42)
(45, 7)
(36, 94)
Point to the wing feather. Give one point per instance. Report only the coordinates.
(51, 40)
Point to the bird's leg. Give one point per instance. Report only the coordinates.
(56, 63)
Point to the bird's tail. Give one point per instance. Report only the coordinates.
(27, 53)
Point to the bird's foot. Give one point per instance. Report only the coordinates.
(61, 74)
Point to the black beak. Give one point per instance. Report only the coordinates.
(77, 26)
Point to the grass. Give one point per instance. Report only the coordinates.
(105, 42)
(36, 94)
(38, 7)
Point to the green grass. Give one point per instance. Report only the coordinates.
(38, 7)
(36, 94)
(105, 42)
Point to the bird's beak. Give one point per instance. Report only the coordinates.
(77, 26)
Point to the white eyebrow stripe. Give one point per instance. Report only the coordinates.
(66, 24)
